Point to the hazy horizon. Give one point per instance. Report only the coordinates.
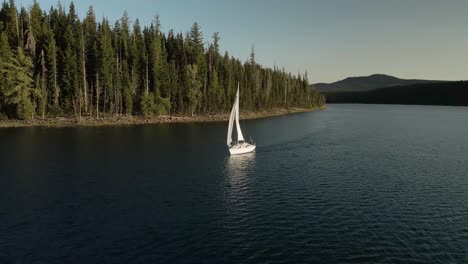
(331, 40)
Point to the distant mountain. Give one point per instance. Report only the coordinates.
(366, 83)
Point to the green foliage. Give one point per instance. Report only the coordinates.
(9, 15)
(17, 88)
(41, 85)
(106, 55)
(25, 108)
(5, 50)
(152, 104)
(194, 85)
(162, 105)
(51, 60)
(5, 56)
(147, 106)
(128, 101)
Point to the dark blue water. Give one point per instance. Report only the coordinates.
(350, 184)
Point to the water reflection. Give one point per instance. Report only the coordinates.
(238, 166)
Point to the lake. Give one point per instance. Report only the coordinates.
(350, 184)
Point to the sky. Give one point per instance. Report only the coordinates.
(330, 39)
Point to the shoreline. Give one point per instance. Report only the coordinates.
(125, 120)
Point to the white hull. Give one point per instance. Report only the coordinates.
(241, 148)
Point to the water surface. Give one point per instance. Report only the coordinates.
(350, 184)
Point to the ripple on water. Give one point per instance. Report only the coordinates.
(352, 184)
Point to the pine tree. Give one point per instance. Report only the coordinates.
(5, 57)
(11, 23)
(42, 86)
(147, 105)
(18, 87)
(216, 39)
(105, 60)
(82, 71)
(194, 86)
(198, 59)
(128, 84)
(5, 51)
(30, 46)
(51, 55)
(69, 70)
(154, 55)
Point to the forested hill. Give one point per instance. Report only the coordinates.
(52, 63)
(439, 93)
(366, 83)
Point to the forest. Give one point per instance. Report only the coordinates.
(52, 63)
(453, 93)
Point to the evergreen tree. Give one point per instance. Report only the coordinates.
(18, 84)
(198, 59)
(105, 61)
(5, 50)
(91, 50)
(216, 39)
(42, 86)
(194, 86)
(51, 57)
(10, 19)
(5, 57)
(147, 105)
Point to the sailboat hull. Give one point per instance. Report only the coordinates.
(241, 149)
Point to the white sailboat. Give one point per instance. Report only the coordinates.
(239, 147)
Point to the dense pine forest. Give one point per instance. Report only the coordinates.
(56, 64)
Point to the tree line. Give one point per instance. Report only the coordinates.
(432, 93)
(56, 64)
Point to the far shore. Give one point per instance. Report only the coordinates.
(127, 120)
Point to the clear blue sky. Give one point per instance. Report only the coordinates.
(329, 39)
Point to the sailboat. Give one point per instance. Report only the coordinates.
(239, 147)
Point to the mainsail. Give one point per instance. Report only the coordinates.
(234, 114)
(240, 137)
(231, 123)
